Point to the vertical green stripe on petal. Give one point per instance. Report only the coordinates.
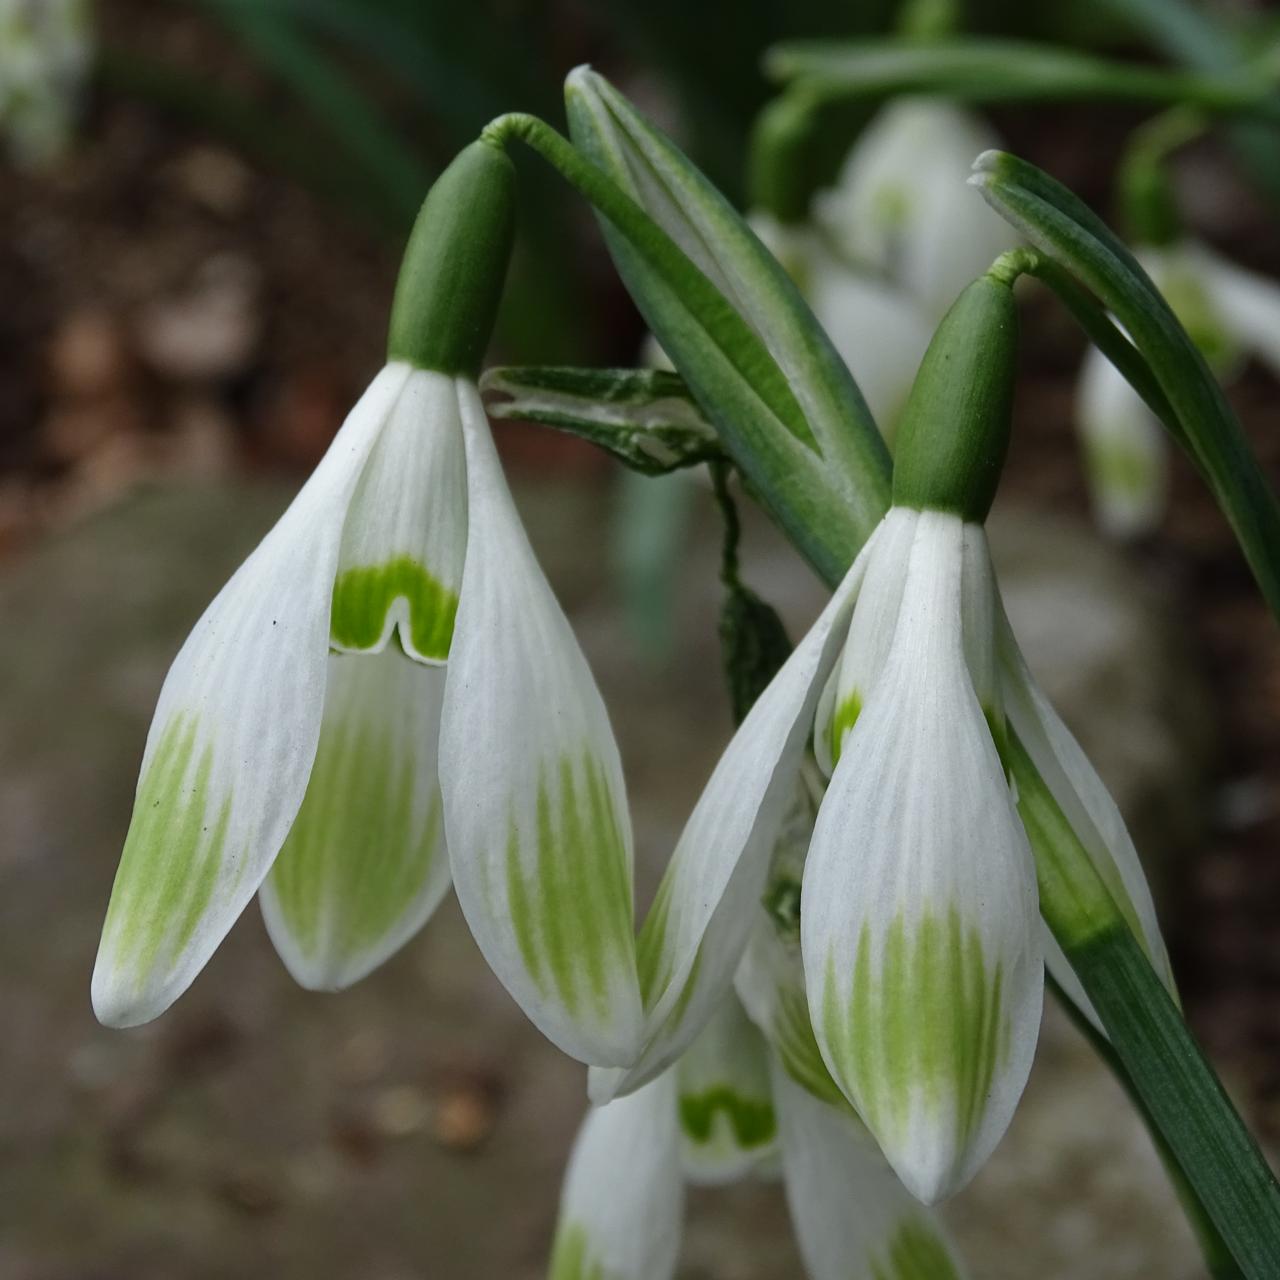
(572, 913)
(175, 847)
(924, 1027)
(915, 1252)
(369, 601)
(570, 1256)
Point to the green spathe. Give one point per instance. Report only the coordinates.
(954, 431)
(454, 265)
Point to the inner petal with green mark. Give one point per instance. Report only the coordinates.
(176, 844)
(921, 1029)
(365, 863)
(568, 889)
(914, 1251)
(404, 540)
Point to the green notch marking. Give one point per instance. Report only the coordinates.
(573, 916)
(915, 1253)
(355, 857)
(172, 854)
(928, 1027)
(362, 598)
(571, 1256)
(751, 1119)
(845, 717)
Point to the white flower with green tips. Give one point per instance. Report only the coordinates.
(621, 1208)
(386, 696)
(1232, 315)
(923, 952)
(45, 48)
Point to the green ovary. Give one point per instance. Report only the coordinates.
(571, 1257)
(362, 598)
(752, 1120)
(361, 850)
(572, 913)
(928, 1029)
(172, 854)
(914, 1253)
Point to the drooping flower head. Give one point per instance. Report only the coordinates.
(386, 696)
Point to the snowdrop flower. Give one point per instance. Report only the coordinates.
(44, 55)
(622, 1205)
(386, 696)
(1231, 314)
(919, 929)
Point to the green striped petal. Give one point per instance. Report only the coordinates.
(727, 1125)
(698, 925)
(405, 537)
(920, 927)
(622, 1205)
(232, 742)
(535, 807)
(365, 864)
(1125, 453)
(852, 1216)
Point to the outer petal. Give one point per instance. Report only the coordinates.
(1088, 806)
(232, 742)
(400, 568)
(365, 863)
(901, 207)
(623, 1201)
(1126, 457)
(1248, 303)
(852, 1216)
(695, 931)
(535, 807)
(870, 636)
(727, 1125)
(919, 922)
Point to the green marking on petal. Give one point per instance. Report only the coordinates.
(172, 854)
(797, 1047)
(363, 597)
(1120, 469)
(1189, 300)
(358, 852)
(571, 1256)
(915, 1252)
(845, 717)
(652, 961)
(928, 1028)
(573, 915)
(751, 1119)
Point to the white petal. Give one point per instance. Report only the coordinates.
(1088, 807)
(695, 931)
(901, 205)
(979, 603)
(535, 807)
(1248, 303)
(880, 332)
(727, 1125)
(622, 1206)
(1125, 452)
(232, 742)
(400, 568)
(919, 920)
(852, 1216)
(365, 863)
(870, 635)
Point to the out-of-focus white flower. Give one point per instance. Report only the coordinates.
(1231, 314)
(45, 49)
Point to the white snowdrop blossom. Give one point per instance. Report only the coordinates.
(1231, 314)
(45, 50)
(386, 697)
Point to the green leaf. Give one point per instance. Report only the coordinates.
(996, 70)
(837, 487)
(1069, 233)
(646, 418)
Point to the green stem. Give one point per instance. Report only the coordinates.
(1148, 205)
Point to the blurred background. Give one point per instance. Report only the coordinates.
(198, 244)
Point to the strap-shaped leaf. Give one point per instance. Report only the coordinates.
(1072, 235)
(994, 70)
(646, 418)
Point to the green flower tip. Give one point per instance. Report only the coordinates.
(954, 431)
(451, 278)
